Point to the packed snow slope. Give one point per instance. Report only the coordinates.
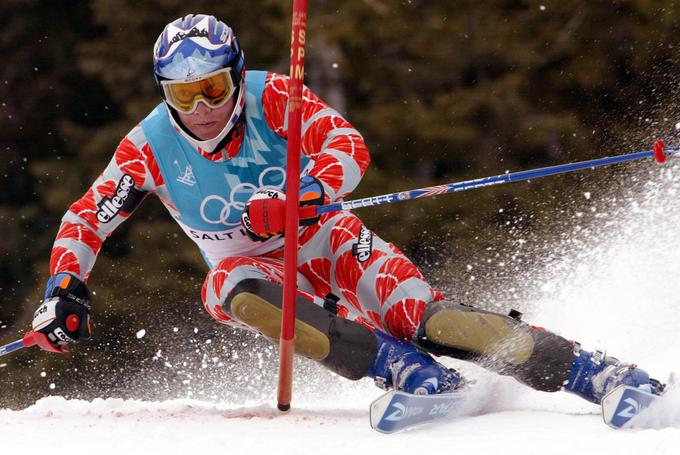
(612, 282)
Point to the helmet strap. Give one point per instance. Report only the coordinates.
(235, 132)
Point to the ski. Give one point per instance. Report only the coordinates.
(396, 410)
(623, 403)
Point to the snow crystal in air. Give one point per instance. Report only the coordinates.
(141, 333)
(587, 194)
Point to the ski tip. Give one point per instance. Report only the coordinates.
(610, 403)
(378, 408)
(624, 403)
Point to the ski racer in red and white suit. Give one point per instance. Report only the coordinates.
(213, 151)
(387, 290)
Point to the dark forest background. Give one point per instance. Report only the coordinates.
(442, 91)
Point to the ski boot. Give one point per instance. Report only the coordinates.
(402, 366)
(593, 375)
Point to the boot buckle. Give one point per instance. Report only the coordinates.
(381, 382)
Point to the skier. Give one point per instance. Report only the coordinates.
(214, 152)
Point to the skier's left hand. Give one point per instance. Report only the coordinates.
(64, 316)
(264, 215)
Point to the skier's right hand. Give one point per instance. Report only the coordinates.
(264, 215)
(64, 316)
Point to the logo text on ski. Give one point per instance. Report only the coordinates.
(403, 412)
(632, 409)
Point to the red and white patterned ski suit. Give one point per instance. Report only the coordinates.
(377, 284)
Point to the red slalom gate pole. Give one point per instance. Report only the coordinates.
(297, 70)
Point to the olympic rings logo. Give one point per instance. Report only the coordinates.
(220, 210)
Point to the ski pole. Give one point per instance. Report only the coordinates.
(11, 347)
(659, 153)
(30, 339)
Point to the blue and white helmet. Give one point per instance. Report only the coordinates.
(194, 45)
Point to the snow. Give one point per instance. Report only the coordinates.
(612, 284)
(536, 423)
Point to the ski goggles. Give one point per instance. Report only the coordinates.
(214, 89)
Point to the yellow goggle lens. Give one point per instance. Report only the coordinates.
(214, 89)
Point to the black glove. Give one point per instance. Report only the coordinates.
(64, 316)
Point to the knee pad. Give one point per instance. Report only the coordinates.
(500, 343)
(345, 347)
(477, 333)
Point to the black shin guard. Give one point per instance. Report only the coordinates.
(535, 357)
(343, 346)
